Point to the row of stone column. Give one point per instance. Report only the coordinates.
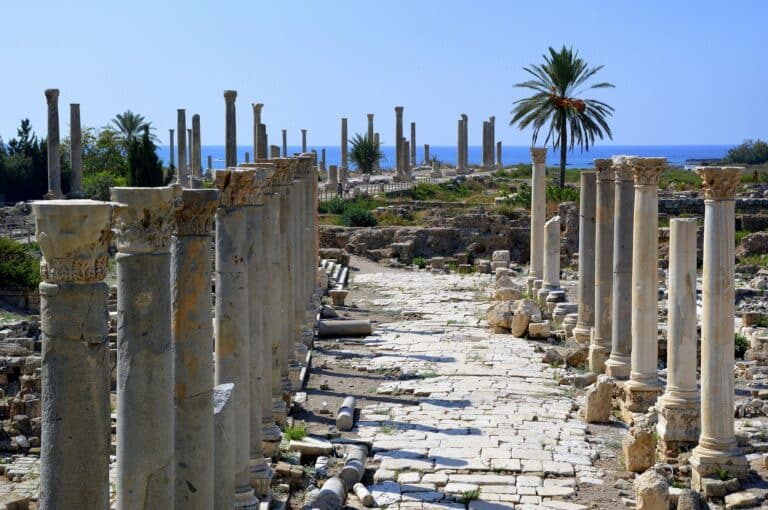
(167, 456)
(53, 145)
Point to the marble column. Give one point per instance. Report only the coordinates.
(600, 345)
(54, 161)
(263, 144)
(398, 141)
(551, 259)
(143, 228)
(192, 331)
(412, 145)
(491, 140)
(344, 150)
(285, 143)
(172, 153)
(197, 156)
(74, 237)
(377, 141)
(277, 286)
(486, 133)
(619, 364)
(182, 175)
(230, 149)
(75, 153)
(499, 164)
(460, 147)
(231, 324)
(190, 150)
(370, 126)
(465, 138)
(717, 449)
(303, 141)
(678, 408)
(538, 216)
(586, 290)
(426, 154)
(643, 386)
(257, 149)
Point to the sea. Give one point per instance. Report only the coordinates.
(677, 155)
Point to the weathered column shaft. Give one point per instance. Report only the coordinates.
(426, 154)
(600, 346)
(190, 150)
(586, 290)
(230, 149)
(491, 139)
(465, 141)
(192, 330)
(412, 144)
(303, 141)
(263, 147)
(54, 161)
(172, 153)
(538, 213)
(398, 139)
(224, 446)
(74, 238)
(257, 149)
(344, 149)
(285, 143)
(182, 175)
(144, 348)
(75, 153)
(370, 126)
(552, 253)
(197, 156)
(499, 164)
(486, 133)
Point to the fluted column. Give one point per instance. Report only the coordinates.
(303, 141)
(257, 149)
(717, 449)
(182, 174)
(412, 144)
(197, 163)
(231, 324)
(74, 237)
(600, 345)
(643, 386)
(586, 291)
(54, 162)
(230, 149)
(75, 153)
(143, 228)
(370, 126)
(538, 216)
(619, 364)
(285, 143)
(344, 150)
(398, 141)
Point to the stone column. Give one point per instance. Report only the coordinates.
(398, 141)
(643, 386)
(285, 143)
(143, 228)
(182, 175)
(322, 159)
(277, 286)
(378, 144)
(486, 133)
(426, 153)
(75, 153)
(538, 216)
(412, 144)
(172, 154)
(406, 158)
(551, 259)
(288, 275)
(230, 149)
(600, 345)
(190, 151)
(678, 408)
(717, 449)
(257, 149)
(459, 147)
(210, 163)
(586, 290)
(231, 324)
(333, 176)
(370, 126)
(54, 162)
(619, 364)
(197, 156)
(247, 157)
(491, 140)
(192, 331)
(344, 151)
(303, 141)
(263, 147)
(74, 238)
(499, 164)
(224, 446)
(465, 138)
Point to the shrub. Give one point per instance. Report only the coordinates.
(751, 152)
(421, 262)
(357, 216)
(741, 344)
(559, 195)
(296, 432)
(96, 186)
(19, 269)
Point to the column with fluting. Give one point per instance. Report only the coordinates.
(197, 156)
(182, 175)
(74, 237)
(54, 163)
(398, 141)
(75, 153)
(538, 217)
(551, 259)
(143, 229)
(412, 145)
(586, 289)
(230, 138)
(257, 149)
(303, 141)
(717, 450)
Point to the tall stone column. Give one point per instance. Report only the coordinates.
(285, 143)
(275, 303)
(678, 408)
(486, 133)
(344, 150)
(551, 259)
(398, 141)
(322, 159)
(586, 291)
(333, 176)
(197, 156)
(288, 266)
(717, 449)
(406, 158)
(412, 144)
(54, 162)
(143, 228)
(600, 345)
(620, 363)
(370, 126)
(75, 153)
(499, 164)
(230, 149)
(192, 331)
(182, 174)
(263, 147)
(643, 386)
(538, 216)
(377, 141)
(491, 139)
(74, 237)
(172, 153)
(426, 154)
(465, 139)
(231, 324)
(303, 141)
(190, 149)
(210, 164)
(460, 147)
(247, 157)
(257, 149)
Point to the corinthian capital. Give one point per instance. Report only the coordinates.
(539, 154)
(646, 170)
(144, 218)
(719, 182)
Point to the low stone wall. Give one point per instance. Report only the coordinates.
(24, 300)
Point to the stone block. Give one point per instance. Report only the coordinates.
(597, 403)
(539, 330)
(501, 256)
(651, 492)
(639, 448)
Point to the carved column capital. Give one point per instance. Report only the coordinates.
(195, 215)
(646, 170)
(539, 155)
(604, 169)
(719, 182)
(144, 218)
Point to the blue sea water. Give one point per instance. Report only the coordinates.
(676, 154)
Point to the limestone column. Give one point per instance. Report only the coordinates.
(224, 446)
(586, 290)
(257, 149)
(231, 324)
(182, 175)
(459, 147)
(230, 150)
(678, 408)
(277, 286)
(303, 141)
(499, 164)
(426, 153)
(54, 162)
(491, 140)
(143, 228)
(370, 126)
(74, 238)
(619, 364)
(344, 151)
(538, 216)
(486, 132)
(262, 147)
(197, 157)
(285, 143)
(600, 345)
(192, 331)
(172, 153)
(412, 144)
(643, 386)
(398, 140)
(551, 259)
(465, 138)
(190, 151)
(75, 153)
(333, 177)
(377, 141)
(717, 449)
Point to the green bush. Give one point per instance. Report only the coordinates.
(741, 344)
(421, 262)
(96, 185)
(751, 152)
(19, 269)
(357, 216)
(560, 195)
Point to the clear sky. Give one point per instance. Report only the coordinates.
(686, 72)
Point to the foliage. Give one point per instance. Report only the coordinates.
(338, 205)
(421, 262)
(19, 268)
(129, 127)
(556, 83)
(560, 195)
(392, 219)
(96, 185)
(452, 191)
(103, 152)
(296, 432)
(470, 495)
(358, 216)
(741, 344)
(751, 152)
(520, 199)
(24, 166)
(365, 153)
(683, 179)
(144, 166)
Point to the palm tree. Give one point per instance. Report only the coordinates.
(365, 153)
(129, 126)
(558, 83)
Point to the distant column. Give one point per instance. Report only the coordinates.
(54, 162)
(412, 144)
(262, 146)
(182, 175)
(406, 157)
(274, 151)
(231, 129)
(285, 143)
(247, 157)
(75, 153)
(492, 140)
(173, 153)
(538, 216)
(486, 133)
(344, 142)
(257, 150)
(459, 146)
(303, 141)
(370, 126)
(499, 164)
(398, 140)
(210, 163)
(376, 165)
(322, 159)
(197, 156)
(190, 150)
(426, 153)
(465, 137)
(586, 290)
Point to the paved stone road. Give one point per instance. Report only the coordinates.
(492, 427)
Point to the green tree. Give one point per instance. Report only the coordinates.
(24, 166)
(144, 166)
(103, 152)
(751, 152)
(556, 84)
(129, 126)
(365, 153)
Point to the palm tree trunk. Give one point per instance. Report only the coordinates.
(563, 148)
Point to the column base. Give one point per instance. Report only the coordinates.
(582, 333)
(678, 426)
(270, 439)
(54, 195)
(618, 366)
(279, 412)
(245, 499)
(638, 397)
(708, 463)
(541, 298)
(598, 355)
(261, 478)
(529, 285)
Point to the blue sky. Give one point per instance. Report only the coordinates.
(686, 72)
